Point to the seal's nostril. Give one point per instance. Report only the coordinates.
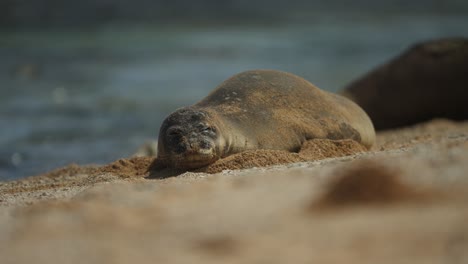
(204, 144)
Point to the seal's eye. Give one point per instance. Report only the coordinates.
(206, 130)
(202, 127)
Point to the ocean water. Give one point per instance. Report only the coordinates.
(91, 97)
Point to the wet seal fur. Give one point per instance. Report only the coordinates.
(258, 109)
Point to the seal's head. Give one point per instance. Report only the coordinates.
(189, 139)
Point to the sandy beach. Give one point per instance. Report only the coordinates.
(404, 201)
(288, 131)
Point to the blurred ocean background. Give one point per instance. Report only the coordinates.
(89, 81)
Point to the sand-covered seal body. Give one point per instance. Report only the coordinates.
(259, 109)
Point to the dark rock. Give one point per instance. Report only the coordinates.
(429, 80)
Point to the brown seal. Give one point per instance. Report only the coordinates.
(429, 80)
(259, 109)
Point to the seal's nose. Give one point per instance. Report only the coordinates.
(204, 144)
(187, 147)
(199, 144)
(193, 145)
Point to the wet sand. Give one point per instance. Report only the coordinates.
(404, 201)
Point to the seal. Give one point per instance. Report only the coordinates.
(258, 109)
(428, 80)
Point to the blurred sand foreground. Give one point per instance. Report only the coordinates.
(405, 201)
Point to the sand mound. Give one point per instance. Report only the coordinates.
(322, 148)
(311, 150)
(367, 183)
(253, 158)
(126, 168)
